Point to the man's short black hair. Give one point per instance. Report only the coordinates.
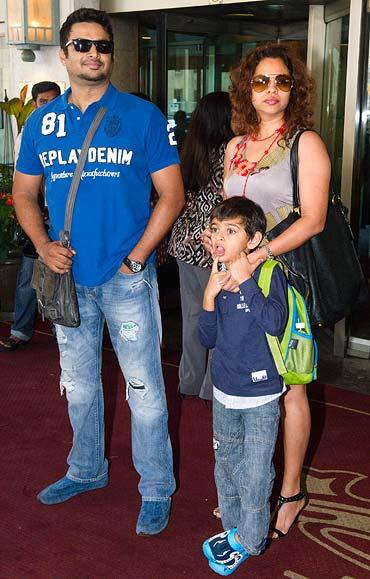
(84, 15)
(44, 86)
(248, 211)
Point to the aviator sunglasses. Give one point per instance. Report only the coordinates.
(84, 45)
(261, 82)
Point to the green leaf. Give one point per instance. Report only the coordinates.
(15, 106)
(24, 114)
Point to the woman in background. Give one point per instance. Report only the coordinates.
(202, 163)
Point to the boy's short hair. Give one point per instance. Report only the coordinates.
(248, 211)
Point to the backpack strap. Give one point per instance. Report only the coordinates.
(264, 282)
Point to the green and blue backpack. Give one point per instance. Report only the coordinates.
(295, 352)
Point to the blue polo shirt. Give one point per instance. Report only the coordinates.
(112, 205)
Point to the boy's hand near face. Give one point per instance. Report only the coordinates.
(215, 283)
(241, 269)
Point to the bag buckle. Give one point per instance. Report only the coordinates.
(41, 309)
(65, 238)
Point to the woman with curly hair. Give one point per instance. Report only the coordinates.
(271, 99)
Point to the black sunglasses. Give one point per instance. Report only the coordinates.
(84, 45)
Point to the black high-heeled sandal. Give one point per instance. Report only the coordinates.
(281, 501)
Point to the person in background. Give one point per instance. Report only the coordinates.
(271, 99)
(202, 161)
(114, 235)
(181, 128)
(25, 304)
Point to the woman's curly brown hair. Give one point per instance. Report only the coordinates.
(298, 114)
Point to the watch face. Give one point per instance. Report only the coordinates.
(136, 266)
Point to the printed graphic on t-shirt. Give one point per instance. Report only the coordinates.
(53, 123)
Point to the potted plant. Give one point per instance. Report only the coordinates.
(8, 225)
(9, 253)
(20, 110)
(18, 107)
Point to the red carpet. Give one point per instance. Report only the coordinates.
(93, 536)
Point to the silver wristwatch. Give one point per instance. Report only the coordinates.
(269, 253)
(133, 265)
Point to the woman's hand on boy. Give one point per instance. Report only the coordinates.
(256, 257)
(241, 269)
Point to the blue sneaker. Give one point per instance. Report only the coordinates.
(65, 488)
(224, 553)
(153, 517)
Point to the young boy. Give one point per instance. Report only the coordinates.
(246, 383)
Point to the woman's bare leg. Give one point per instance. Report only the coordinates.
(296, 422)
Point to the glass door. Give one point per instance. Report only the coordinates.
(148, 62)
(364, 157)
(334, 91)
(185, 72)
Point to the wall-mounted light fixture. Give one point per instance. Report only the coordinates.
(31, 24)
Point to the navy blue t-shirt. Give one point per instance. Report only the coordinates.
(112, 206)
(242, 364)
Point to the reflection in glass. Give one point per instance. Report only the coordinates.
(334, 91)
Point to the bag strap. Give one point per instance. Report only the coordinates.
(65, 235)
(264, 282)
(294, 167)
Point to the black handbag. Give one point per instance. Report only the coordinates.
(325, 269)
(56, 292)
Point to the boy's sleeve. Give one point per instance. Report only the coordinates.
(270, 313)
(207, 329)
(28, 161)
(160, 146)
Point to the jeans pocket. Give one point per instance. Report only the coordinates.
(137, 275)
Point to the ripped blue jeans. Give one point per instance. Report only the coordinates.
(129, 305)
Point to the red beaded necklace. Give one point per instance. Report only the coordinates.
(279, 131)
(241, 164)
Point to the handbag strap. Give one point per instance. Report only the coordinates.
(65, 235)
(294, 167)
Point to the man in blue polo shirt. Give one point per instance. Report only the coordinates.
(113, 237)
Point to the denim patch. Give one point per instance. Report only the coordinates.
(129, 331)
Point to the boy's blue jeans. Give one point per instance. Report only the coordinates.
(129, 304)
(244, 444)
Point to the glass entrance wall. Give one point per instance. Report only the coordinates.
(199, 62)
(186, 70)
(148, 62)
(364, 158)
(334, 91)
(198, 65)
